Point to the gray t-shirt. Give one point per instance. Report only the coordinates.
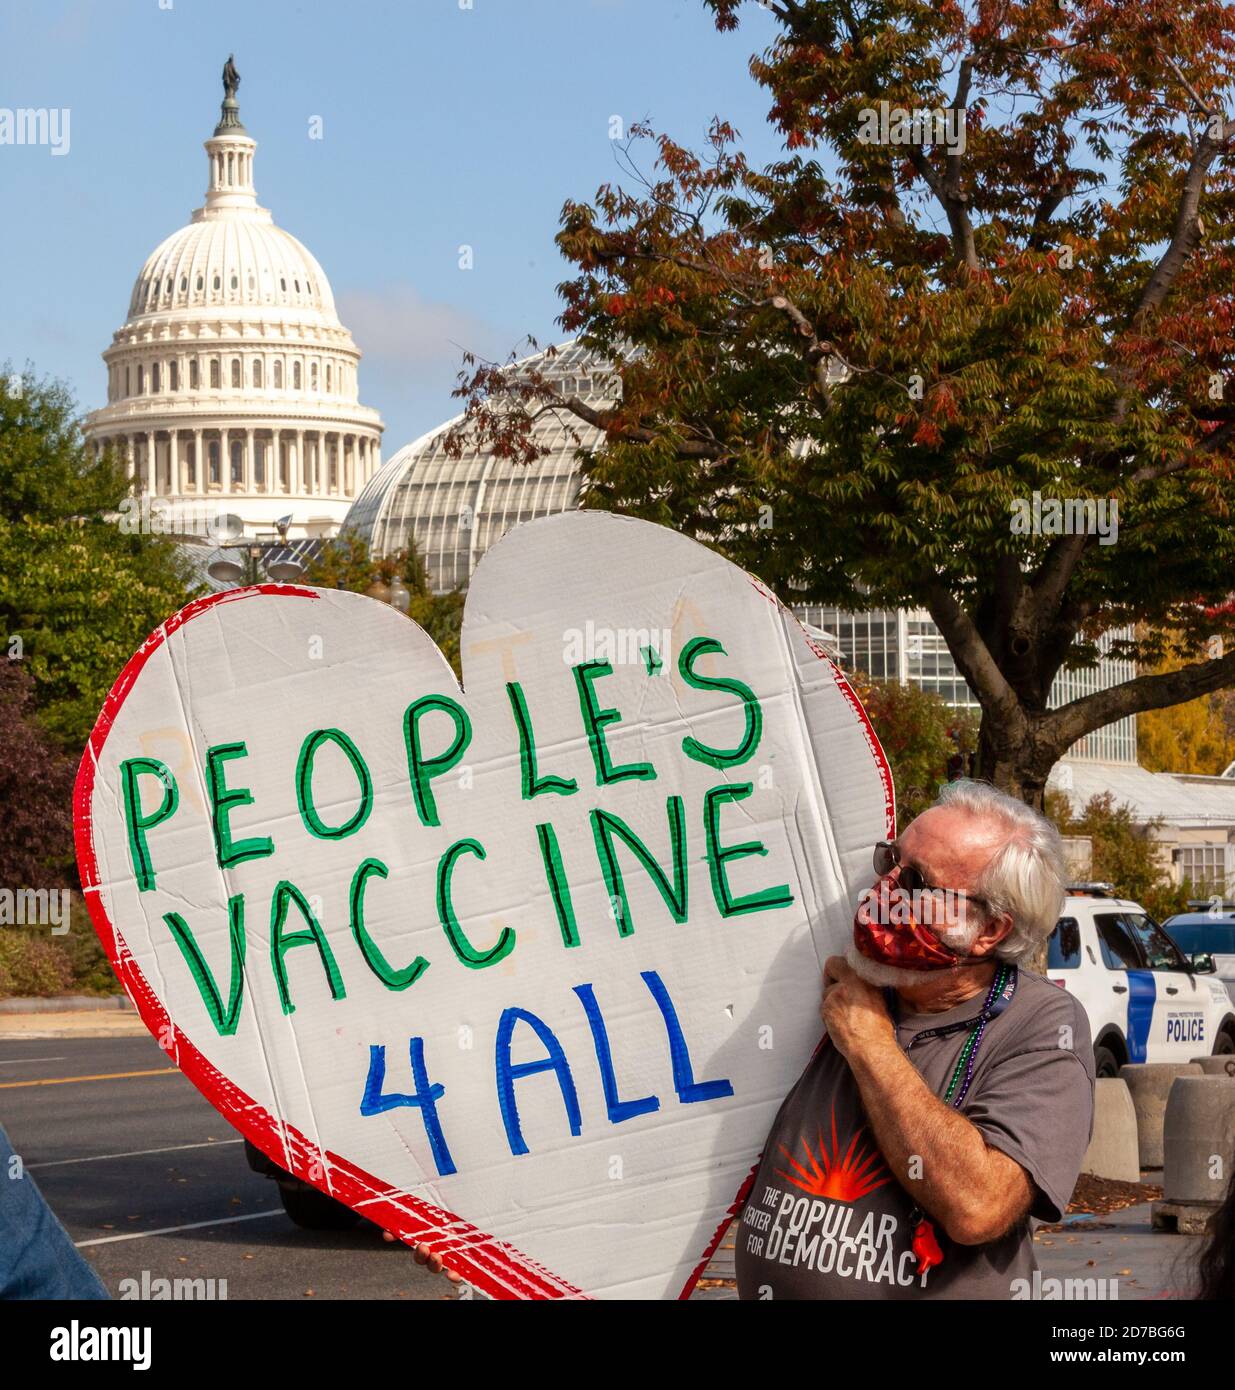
(826, 1219)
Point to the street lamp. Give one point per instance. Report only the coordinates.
(249, 565)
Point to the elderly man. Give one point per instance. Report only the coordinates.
(951, 1098)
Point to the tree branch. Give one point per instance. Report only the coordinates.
(954, 204)
(639, 434)
(972, 656)
(1186, 233)
(1074, 720)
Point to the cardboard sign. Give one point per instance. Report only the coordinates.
(524, 970)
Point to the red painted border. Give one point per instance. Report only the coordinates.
(495, 1267)
(872, 738)
(842, 683)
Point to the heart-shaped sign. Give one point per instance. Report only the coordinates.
(521, 971)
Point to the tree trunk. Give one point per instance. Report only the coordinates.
(1018, 768)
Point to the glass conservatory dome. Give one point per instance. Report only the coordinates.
(455, 509)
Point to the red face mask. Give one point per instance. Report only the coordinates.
(886, 929)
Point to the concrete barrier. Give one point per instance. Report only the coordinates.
(1113, 1151)
(1222, 1065)
(1150, 1084)
(1199, 1148)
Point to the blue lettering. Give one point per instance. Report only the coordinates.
(689, 1090)
(426, 1094)
(424, 1099)
(509, 1072)
(619, 1110)
(1185, 1029)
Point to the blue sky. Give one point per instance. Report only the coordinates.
(442, 126)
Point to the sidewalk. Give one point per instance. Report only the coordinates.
(50, 1022)
(1121, 1246)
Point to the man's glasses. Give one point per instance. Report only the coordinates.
(887, 857)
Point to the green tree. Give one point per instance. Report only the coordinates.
(77, 594)
(853, 369)
(921, 735)
(1125, 854)
(346, 563)
(343, 563)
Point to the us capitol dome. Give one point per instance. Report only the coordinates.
(233, 386)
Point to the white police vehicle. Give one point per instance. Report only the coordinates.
(1145, 999)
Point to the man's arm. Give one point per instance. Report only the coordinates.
(974, 1191)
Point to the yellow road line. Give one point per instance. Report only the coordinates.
(105, 1076)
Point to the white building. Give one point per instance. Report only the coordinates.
(1191, 819)
(232, 386)
(905, 645)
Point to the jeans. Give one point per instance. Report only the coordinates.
(37, 1258)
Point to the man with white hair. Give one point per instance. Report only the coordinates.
(951, 1098)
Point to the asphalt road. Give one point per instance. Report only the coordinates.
(148, 1178)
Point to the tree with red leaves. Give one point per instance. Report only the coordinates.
(994, 263)
(36, 791)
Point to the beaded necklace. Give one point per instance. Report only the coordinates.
(998, 997)
(1004, 980)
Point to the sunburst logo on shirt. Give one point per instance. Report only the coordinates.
(829, 1173)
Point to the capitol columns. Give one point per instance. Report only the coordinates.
(300, 479)
(152, 464)
(225, 458)
(175, 477)
(249, 474)
(199, 464)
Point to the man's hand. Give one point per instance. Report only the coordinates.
(424, 1256)
(853, 1011)
(973, 1190)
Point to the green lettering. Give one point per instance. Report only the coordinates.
(311, 935)
(718, 856)
(225, 1020)
(423, 770)
(605, 827)
(223, 800)
(596, 720)
(717, 757)
(369, 949)
(304, 785)
(462, 947)
(559, 888)
(532, 784)
(139, 850)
